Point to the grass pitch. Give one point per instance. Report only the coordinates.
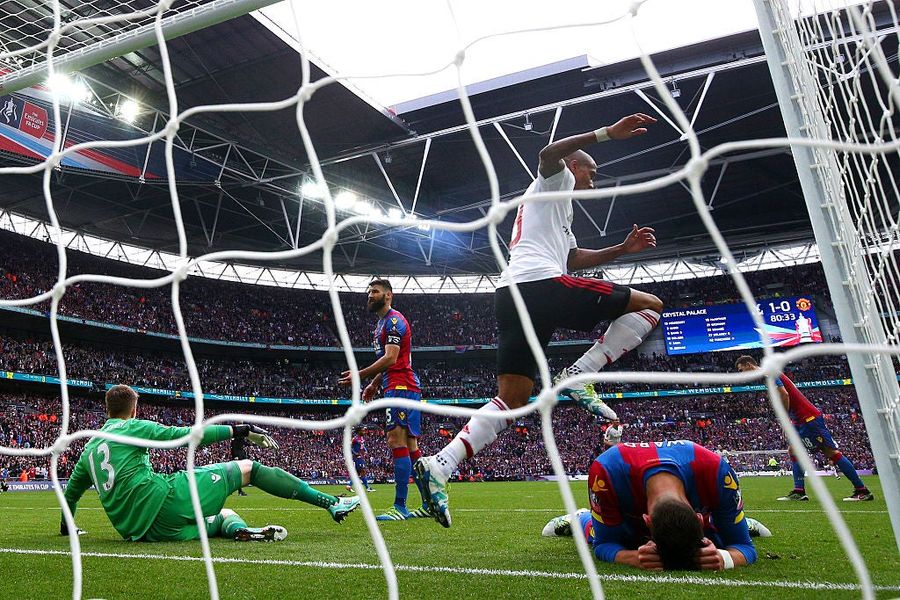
(494, 550)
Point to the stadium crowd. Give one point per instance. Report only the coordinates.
(271, 315)
(305, 378)
(730, 423)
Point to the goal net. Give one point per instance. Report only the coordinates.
(835, 73)
(852, 152)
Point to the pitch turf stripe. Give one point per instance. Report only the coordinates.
(680, 579)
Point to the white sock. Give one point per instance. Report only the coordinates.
(624, 334)
(477, 434)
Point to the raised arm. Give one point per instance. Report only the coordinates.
(638, 239)
(211, 433)
(551, 157)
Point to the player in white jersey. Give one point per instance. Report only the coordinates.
(613, 433)
(543, 250)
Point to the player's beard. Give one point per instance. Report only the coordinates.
(373, 306)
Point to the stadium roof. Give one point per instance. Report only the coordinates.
(722, 84)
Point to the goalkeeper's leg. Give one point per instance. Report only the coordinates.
(279, 482)
(228, 524)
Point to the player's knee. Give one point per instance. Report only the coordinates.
(396, 438)
(227, 512)
(644, 301)
(246, 468)
(653, 303)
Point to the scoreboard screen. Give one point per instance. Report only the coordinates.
(788, 322)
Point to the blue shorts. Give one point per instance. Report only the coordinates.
(815, 435)
(411, 420)
(360, 464)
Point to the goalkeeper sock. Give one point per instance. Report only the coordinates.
(843, 463)
(278, 482)
(231, 524)
(478, 433)
(624, 334)
(402, 471)
(799, 475)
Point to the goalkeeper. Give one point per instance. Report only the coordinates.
(146, 506)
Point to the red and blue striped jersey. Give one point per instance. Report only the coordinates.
(800, 409)
(393, 328)
(618, 495)
(358, 446)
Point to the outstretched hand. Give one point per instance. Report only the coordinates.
(630, 126)
(255, 435)
(639, 238)
(370, 392)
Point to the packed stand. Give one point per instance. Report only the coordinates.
(305, 378)
(270, 315)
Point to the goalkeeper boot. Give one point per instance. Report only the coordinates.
(860, 495)
(394, 513)
(757, 529)
(344, 507)
(585, 396)
(562, 526)
(435, 489)
(269, 533)
(795, 495)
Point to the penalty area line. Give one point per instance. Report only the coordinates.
(614, 577)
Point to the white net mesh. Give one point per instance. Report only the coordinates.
(871, 213)
(838, 67)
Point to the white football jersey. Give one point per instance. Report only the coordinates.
(613, 435)
(542, 233)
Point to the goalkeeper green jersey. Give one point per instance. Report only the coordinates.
(130, 491)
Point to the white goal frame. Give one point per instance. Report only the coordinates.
(841, 245)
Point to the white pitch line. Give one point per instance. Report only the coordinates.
(556, 510)
(676, 579)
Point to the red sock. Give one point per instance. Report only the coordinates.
(415, 455)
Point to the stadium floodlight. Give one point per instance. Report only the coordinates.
(345, 200)
(415, 217)
(312, 189)
(394, 212)
(68, 88)
(127, 110)
(362, 207)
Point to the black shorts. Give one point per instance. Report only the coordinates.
(575, 303)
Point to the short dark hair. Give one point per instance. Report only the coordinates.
(677, 533)
(120, 401)
(746, 359)
(382, 283)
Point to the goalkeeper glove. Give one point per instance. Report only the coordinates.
(255, 435)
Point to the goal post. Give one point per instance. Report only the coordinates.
(193, 17)
(851, 198)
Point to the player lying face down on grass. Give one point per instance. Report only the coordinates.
(143, 505)
(664, 506)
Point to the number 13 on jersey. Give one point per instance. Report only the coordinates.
(102, 449)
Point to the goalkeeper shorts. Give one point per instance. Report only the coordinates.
(175, 521)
